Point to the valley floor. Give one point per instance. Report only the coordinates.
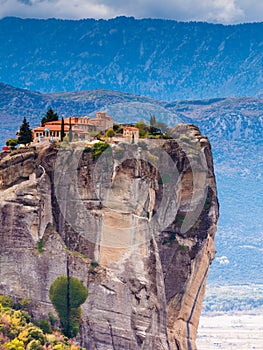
(227, 332)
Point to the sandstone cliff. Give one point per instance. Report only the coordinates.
(137, 225)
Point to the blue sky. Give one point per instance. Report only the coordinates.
(217, 11)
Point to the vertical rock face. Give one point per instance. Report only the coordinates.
(137, 225)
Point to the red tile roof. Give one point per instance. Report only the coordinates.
(51, 127)
(130, 128)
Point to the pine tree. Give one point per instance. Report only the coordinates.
(50, 116)
(25, 133)
(62, 133)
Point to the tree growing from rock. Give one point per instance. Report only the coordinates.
(67, 294)
(25, 133)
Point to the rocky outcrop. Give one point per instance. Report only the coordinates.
(137, 225)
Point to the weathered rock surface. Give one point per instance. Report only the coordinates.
(147, 217)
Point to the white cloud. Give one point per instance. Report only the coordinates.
(223, 260)
(73, 9)
(222, 11)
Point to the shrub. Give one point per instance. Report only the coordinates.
(110, 133)
(144, 129)
(15, 344)
(118, 153)
(35, 333)
(12, 143)
(34, 345)
(18, 333)
(93, 134)
(45, 326)
(87, 149)
(185, 139)
(94, 264)
(118, 128)
(59, 346)
(52, 319)
(167, 137)
(179, 219)
(142, 144)
(40, 245)
(169, 238)
(151, 158)
(23, 304)
(98, 148)
(6, 301)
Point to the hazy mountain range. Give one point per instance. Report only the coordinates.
(166, 60)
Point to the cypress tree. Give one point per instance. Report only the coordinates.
(62, 132)
(152, 120)
(67, 294)
(25, 133)
(70, 134)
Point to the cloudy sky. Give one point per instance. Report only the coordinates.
(218, 11)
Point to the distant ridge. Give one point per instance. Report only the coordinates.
(163, 59)
(229, 118)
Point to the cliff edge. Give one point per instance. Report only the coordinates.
(136, 224)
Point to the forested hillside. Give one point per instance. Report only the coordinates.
(162, 59)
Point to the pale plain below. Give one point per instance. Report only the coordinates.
(229, 332)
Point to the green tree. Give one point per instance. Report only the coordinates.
(66, 295)
(50, 116)
(110, 133)
(70, 133)
(62, 132)
(118, 128)
(143, 128)
(12, 143)
(25, 133)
